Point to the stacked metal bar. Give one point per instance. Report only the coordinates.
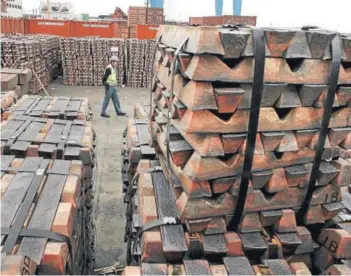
(135, 146)
(67, 108)
(56, 193)
(36, 52)
(56, 132)
(141, 55)
(207, 134)
(211, 109)
(69, 62)
(85, 59)
(281, 247)
(14, 84)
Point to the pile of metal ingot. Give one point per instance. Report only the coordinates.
(36, 52)
(180, 208)
(47, 187)
(14, 84)
(141, 55)
(85, 59)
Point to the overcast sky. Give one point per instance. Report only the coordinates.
(330, 14)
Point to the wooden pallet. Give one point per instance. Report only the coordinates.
(37, 193)
(69, 108)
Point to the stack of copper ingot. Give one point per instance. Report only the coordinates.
(180, 209)
(85, 59)
(150, 52)
(136, 52)
(14, 84)
(141, 54)
(32, 52)
(69, 62)
(47, 187)
(103, 49)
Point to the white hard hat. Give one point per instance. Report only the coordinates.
(114, 58)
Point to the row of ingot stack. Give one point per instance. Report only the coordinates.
(85, 59)
(48, 160)
(141, 54)
(36, 52)
(136, 145)
(177, 248)
(209, 124)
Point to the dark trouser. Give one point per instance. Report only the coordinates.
(111, 92)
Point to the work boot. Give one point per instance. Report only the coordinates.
(105, 115)
(121, 113)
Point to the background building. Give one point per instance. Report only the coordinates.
(57, 10)
(11, 8)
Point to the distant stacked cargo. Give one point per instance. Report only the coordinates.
(85, 59)
(141, 55)
(224, 19)
(37, 52)
(143, 15)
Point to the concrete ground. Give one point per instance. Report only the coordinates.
(109, 209)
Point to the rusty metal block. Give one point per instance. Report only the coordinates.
(234, 244)
(314, 215)
(228, 99)
(222, 185)
(286, 223)
(204, 144)
(268, 218)
(180, 151)
(197, 95)
(216, 226)
(200, 168)
(202, 207)
(203, 121)
(337, 242)
(250, 223)
(211, 68)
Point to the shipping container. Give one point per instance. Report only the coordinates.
(12, 26)
(213, 20)
(142, 15)
(101, 29)
(146, 31)
(46, 26)
(196, 21)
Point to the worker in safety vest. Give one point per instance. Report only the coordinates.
(110, 82)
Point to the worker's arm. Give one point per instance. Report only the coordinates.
(107, 73)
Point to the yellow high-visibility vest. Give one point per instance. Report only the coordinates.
(112, 78)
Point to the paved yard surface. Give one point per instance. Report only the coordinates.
(109, 209)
